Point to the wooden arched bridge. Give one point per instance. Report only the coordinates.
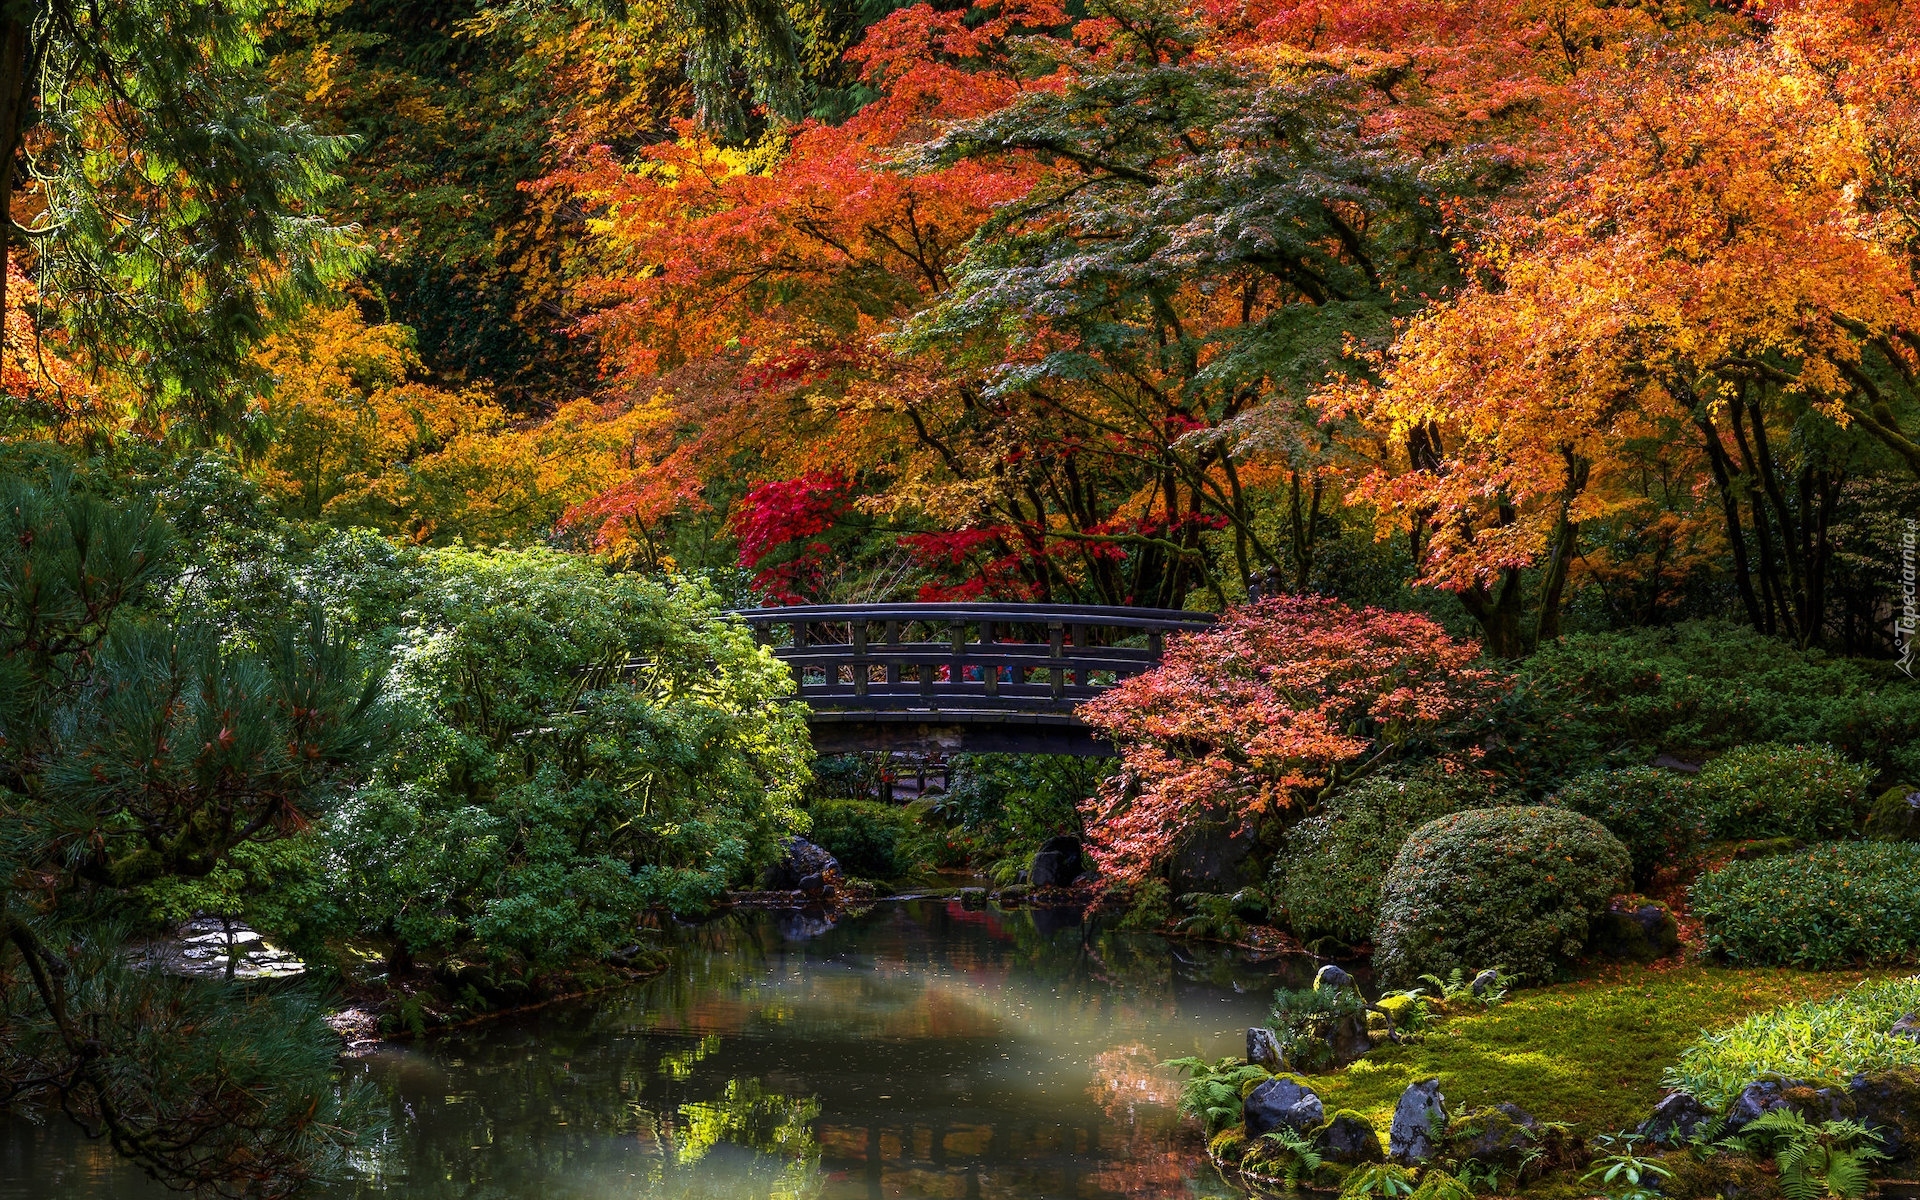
(920, 678)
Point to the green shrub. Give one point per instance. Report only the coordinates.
(538, 797)
(1825, 1041)
(1510, 886)
(1712, 685)
(1841, 902)
(1655, 813)
(1805, 792)
(871, 840)
(1328, 877)
(1311, 1023)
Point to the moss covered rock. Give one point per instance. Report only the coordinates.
(1349, 1139)
(1895, 816)
(1635, 929)
(1722, 1177)
(1888, 1102)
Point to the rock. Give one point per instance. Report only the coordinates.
(1501, 1136)
(1013, 895)
(812, 886)
(1635, 930)
(1213, 858)
(972, 897)
(1486, 981)
(1056, 864)
(1350, 1139)
(1280, 1102)
(1330, 978)
(1759, 1099)
(1674, 1119)
(1399, 1009)
(1263, 1049)
(803, 858)
(1674, 762)
(1767, 848)
(1907, 1027)
(1888, 1102)
(1417, 1121)
(1895, 816)
(1350, 1039)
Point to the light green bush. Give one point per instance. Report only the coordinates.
(1655, 813)
(871, 840)
(1825, 1041)
(1513, 887)
(542, 791)
(1839, 902)
(1770, 790)
(1329, 875)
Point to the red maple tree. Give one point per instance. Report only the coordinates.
(1252, 717)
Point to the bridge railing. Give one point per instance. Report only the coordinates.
(974, 657)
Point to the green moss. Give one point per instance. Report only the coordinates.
(1591, 1052)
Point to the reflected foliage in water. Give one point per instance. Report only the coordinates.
(913, 1050)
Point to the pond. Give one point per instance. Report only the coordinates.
(917, 1049)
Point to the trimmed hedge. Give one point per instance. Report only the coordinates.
(1512, 887)
(1655, 813)
(1824, 1042)
(1329, 875)
(1765, 791)
(1841, 902)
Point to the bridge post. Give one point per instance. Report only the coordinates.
(861, 672)
(990, 672)
(1056, 675)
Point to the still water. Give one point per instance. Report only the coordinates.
(914, 1050)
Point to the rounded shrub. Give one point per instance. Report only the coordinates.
(1655, 813)
(1827, 905)
(1329, 875)
(1772, 790)
(871, 840)
(1512, 887)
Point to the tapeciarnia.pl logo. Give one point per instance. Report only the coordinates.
(1909, 618)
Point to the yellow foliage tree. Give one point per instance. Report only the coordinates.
(362, 439)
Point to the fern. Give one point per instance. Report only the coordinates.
(1302, 1160)
(1826, 1160)
(1378, 1181)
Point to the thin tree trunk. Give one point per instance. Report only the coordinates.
(15, 88)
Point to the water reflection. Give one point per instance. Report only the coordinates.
(916, 1050)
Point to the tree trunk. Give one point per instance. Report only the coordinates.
(16, 83)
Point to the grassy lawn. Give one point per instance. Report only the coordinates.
(1591, 1052)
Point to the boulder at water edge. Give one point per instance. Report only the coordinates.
(1331, 979)
(803, 858)
(1350, 1139)
(1280, 1102)
(1417, 1122)
(1263, 1049)
(1056, 864)
(1674, 1119)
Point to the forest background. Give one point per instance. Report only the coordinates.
(1538, 315)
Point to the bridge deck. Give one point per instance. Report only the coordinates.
(962, 676)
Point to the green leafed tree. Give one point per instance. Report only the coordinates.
(574, 747)
(165, 194)
(136, 748)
